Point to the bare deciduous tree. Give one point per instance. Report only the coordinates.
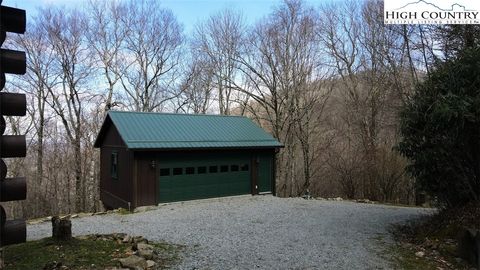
(197, 86)
(151, 56)
(376, 72)
(284, 73)
(220, 39)
(36, 83)
(74, 66)
(106, 36)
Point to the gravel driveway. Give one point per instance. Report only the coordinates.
(260, 232)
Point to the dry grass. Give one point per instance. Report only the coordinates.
(436, 236)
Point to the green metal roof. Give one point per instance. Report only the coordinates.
(141, 130)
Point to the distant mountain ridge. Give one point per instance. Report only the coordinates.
(435, 6)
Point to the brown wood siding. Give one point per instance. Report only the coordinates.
(116, 192)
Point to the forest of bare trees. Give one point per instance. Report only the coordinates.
(327, 81)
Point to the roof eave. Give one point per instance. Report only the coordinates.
(207, 148)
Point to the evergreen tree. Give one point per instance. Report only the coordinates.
(440, 127)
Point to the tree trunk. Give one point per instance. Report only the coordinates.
(39, 171)
(61, 228)
(79, 196)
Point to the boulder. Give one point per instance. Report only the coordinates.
(469, 246)
(119, 236)
(145, 250)
(127, 239)
(420, 254)
(150, 264)
(139, 239)
(134, 262)
(143, 246)
(145, 253)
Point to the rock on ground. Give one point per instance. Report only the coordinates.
(260, 232)
(133, 261)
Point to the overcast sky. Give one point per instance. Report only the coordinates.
(188, 12)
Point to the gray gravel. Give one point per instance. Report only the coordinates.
(260, 232)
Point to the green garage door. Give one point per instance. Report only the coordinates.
(196, 177)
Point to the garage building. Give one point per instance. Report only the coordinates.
(151, 158)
